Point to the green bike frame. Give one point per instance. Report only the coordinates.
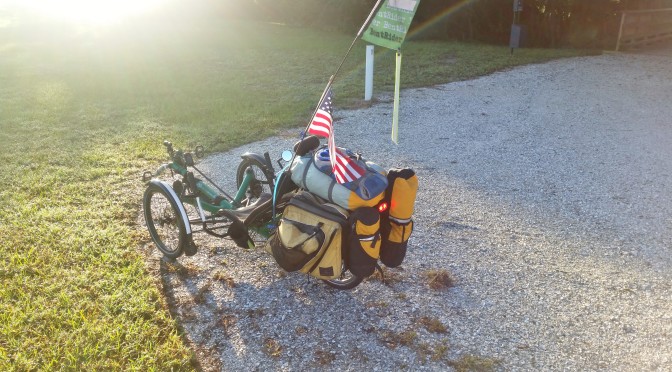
(213, 201)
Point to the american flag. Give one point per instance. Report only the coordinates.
(321, 123)
(345, 169)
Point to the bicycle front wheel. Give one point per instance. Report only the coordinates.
(165, 220)
(262, 182)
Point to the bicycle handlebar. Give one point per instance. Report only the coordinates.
(180, 162)
(169, 147)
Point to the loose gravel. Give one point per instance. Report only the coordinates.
(545, 193)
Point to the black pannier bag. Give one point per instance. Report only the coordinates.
(364, 247)
(396, 223)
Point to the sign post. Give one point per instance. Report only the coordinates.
(388, 29)
(368, 78)
(517, 30)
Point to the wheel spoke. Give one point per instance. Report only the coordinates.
(164, 221)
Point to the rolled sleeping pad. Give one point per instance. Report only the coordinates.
(306, 174)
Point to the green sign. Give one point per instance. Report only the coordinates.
(390, 25)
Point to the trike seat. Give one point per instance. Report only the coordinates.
(243, 213)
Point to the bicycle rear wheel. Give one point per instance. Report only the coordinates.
(347, 280)
(165, 220)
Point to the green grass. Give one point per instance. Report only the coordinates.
(83, 113)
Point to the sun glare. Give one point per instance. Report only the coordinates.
(92, 11)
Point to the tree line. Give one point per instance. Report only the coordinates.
(547, 23)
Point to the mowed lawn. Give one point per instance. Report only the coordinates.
(83, 111)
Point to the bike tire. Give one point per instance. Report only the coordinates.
(164, 219)
(262, 182)
(346, 281)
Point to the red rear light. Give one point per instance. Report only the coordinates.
(382, 207)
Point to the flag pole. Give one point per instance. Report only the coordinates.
(333, 77)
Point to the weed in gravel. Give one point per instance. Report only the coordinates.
(213, 250)
(272, 347)
(440, 352)
(183, 301)
(181, 270)
(409, 338)
(188, 315)
(432, 324)
(206, 333)
(423, 350)
(324, 358)
(299, 291)
(191, 268)
(199, 297)
(359, 354)
(256, 313)
(391, 276)
(439, 279)
(473, 363)
(221, 276)
(393, 339)
(301, 330)
(228, 321)
(389, 339)
(435, 353)
(377, 304)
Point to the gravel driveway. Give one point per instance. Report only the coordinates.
(546, 192)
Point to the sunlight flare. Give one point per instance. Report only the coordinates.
(93, 11)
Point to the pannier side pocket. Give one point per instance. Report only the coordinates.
(394, 247)
(365, 241)
(297, 244)
(397, 223)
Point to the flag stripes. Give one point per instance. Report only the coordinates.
(321, 123)
(344, 168)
